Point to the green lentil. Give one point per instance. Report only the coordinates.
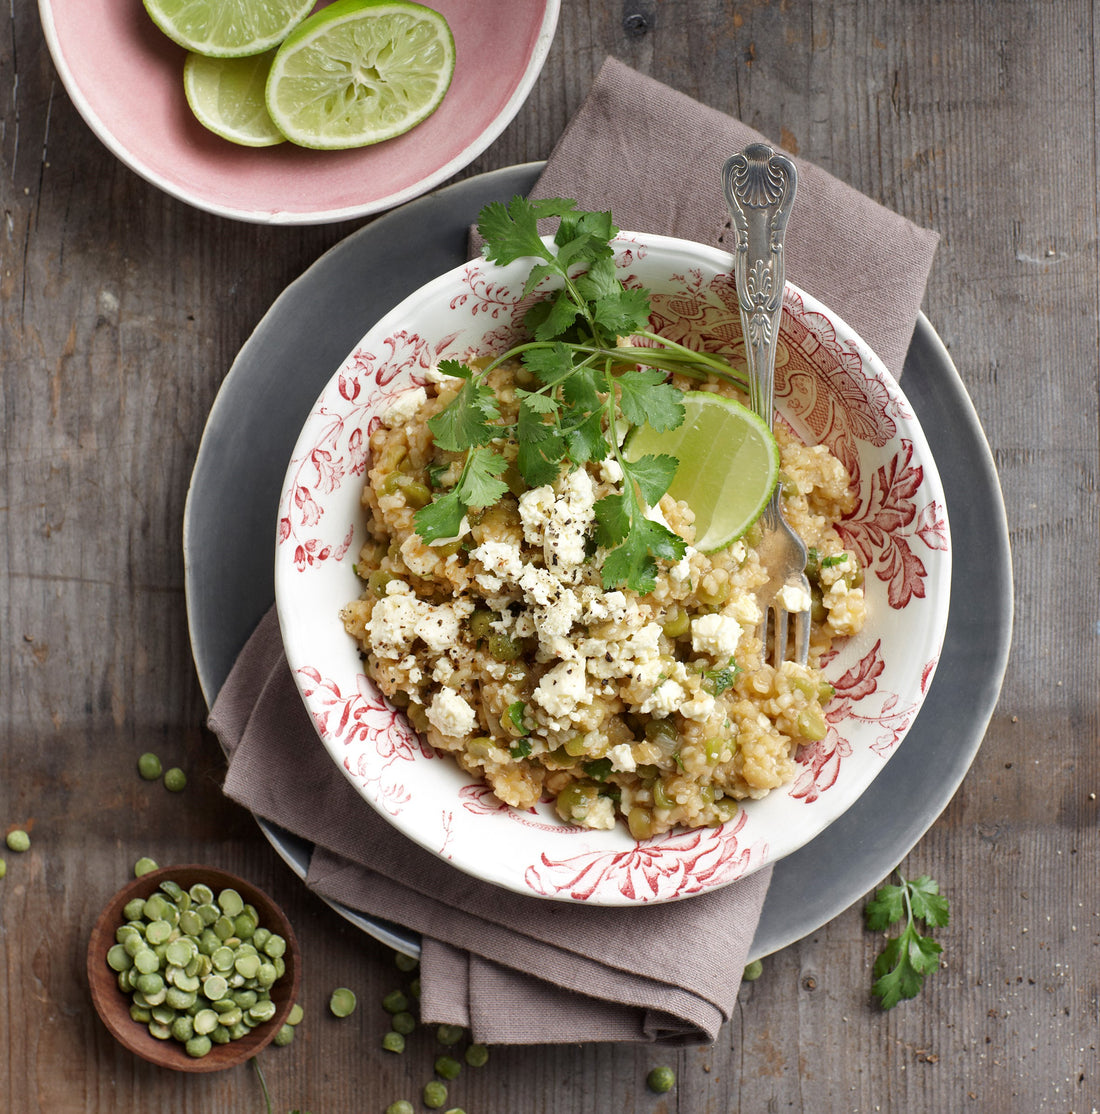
(342, 1002)
(18, 840)
(175, 780)
(403, 1022)
(661, 1080)
(435, 1094)
(449, 1034)
(393, 1042)
(753, 971)
(402, 1106)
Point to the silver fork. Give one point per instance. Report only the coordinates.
(760, 187)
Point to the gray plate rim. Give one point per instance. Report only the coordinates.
(254, 421)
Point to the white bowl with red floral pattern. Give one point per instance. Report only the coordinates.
(830, 388)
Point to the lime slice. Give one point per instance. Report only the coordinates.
(227, 28)
(227, 96)
(359, 72)
(729, 465)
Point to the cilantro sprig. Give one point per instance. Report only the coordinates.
(901, 968)
(589, 389)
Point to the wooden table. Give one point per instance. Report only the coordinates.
(122, 310)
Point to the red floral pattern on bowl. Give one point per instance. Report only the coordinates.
(830, 388)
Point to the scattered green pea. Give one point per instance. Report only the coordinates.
(403, 1022)
(342, 1002)
(661, 1080)
(448, 1067)
(449, 1034)
(3, 868)
(405, 962)
(18, 840)
(753, 971)
(402, 1106)
(284, 1036)
(477, 1055)
(144, 866)
(455, 1110)
(393, 1042)
(296, 1014)
(149, 766)
(395, 1002)
(175, 780)
(435, 1094)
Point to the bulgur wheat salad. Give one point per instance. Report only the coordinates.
(507, 652)
(532, 597)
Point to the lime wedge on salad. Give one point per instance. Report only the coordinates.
(227, 28)
(360, 71)
(729, 465)
(227, 97)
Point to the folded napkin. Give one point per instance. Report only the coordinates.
(517, 969)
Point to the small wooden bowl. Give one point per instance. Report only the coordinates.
(113, 1006)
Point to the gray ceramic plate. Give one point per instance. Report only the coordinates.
(277, 376)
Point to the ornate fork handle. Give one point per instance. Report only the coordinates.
(760, 187)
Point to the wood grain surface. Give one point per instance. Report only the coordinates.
(121, 310)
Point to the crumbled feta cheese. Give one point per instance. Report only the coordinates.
(535, 506)
(568, 522)
(450, 715)
(503, 563)
(698, 707)
(622, 758)
(600, 814)
(418, 557)
(611, 471)
(562, 689)
(439, 628)
(665, 699)
(392, 626)
(716, 635)
(793, 597)
(539, 587)
(680, 573)
(744, 608)
(404, 407)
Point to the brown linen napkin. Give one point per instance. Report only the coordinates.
(517, 969)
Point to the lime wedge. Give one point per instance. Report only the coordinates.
(729, 465)
(227, 96)
(227, 28)
(359, 72)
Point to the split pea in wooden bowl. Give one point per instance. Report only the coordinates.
(222, 994)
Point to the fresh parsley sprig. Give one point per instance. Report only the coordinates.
(901, 968)
(589, 391)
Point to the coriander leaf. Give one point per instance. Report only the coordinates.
(539, 463)
(900, 969)
(441, 518)
(929, 905)
(586, 441)
(582, 390)
(886, 907)
(562, 313)
(652, 474)
(644, 396)
(466, 420)
(455, 368)
(623, 312)
(516, 712)
(480, 484)
(531, 427)
(612, 520)
(536, 402)
(511, 231)
(521, 749)
(630, 564)
(550, 364)
(599, 281)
